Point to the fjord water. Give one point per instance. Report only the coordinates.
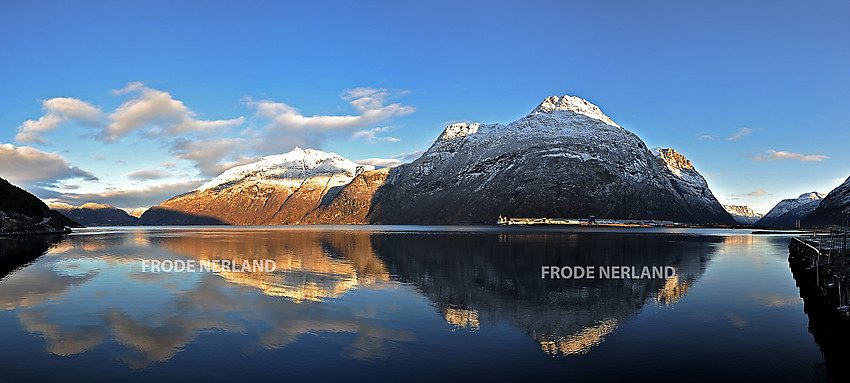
(413, 303)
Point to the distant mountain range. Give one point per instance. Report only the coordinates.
(565, 159)
(95, 214)
(743, 214)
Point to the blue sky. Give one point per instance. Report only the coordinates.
(132, 102)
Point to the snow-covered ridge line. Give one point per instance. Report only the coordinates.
(573, 104)
(296, 165)
(573, 109)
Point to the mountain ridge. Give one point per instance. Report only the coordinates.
(95, 214)
(564, 159)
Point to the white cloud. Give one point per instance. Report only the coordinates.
(57, 110)
(147, 174)
(370, 135)
(409, 157)
(840, 180)
(26, 166)
(380, 162)
(289, 125)
(396, 160)
(757, 193)
(705, 137)
(741, 133)
(773, 155)
(161, 114)
(209, 144)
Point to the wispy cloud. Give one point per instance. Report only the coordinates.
(840, 180)
(741, 133)
(705, 137)
(56, 111)
(288, 125)
(396, 160)
(213, 156)
(773, 155)
(370, 135)
(380, 162)
(408, 157)
(147, 174)
(757, 193)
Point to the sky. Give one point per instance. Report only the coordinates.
(129, 103)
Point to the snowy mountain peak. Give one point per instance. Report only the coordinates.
(674, 160)
(298, 164)
(812, 195)
(573, 104)
(460, 129)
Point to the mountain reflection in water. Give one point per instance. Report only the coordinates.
(496, 278)
(414, 296)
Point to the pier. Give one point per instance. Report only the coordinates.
(821, 268)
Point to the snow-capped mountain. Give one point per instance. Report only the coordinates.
(833, 209)
(789, 212)
(288, 170)
(278, 189)
(743, 214)
(565, 159)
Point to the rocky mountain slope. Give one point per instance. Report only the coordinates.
(23, 213)
(95, 214)
(790, 211)
(352, 203)
(687, 181)
(565, 159)
(832, 209)
(743, 214)
(277, 190)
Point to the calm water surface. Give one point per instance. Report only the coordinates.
(412, 303)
